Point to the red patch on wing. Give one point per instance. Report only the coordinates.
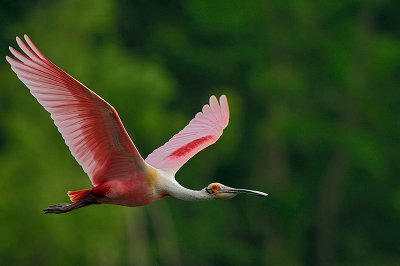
(190, 146)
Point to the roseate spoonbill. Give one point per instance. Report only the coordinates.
(99, 142)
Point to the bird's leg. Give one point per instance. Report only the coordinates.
(67, 207)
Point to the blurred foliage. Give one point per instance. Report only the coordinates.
(314, 98)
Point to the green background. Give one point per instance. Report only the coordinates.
(314, 94)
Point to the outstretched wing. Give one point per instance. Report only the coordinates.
(204, 129)
(89, 125)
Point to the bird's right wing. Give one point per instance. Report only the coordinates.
(203, 130)
(89, 125)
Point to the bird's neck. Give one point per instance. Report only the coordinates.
(174, 189)
(190, 195)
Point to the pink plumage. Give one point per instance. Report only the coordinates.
(89, 125)
(202, 131)
(99, 142)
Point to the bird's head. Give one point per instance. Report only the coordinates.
(220, 191)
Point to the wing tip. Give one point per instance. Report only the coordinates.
(224, 108)
(9, 59)
(223, 98)
(18, 39)
(11, 49)
(25, 37)
(221, 105)
(12, 61)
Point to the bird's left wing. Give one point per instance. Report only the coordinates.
(89, 125)
(202, 131)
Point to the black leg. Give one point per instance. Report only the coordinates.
(66, 207)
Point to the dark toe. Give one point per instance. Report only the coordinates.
(57, 208)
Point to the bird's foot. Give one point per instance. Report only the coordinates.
(66, 207)
(58, 208)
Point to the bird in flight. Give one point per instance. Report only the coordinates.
(100, 143)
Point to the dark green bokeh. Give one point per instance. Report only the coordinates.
(314, 93)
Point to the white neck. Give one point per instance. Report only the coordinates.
(183, 193)
(174, 189)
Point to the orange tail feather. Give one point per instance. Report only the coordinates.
(78, 195)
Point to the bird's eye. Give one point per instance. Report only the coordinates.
(215, 188)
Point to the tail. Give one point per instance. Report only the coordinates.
(79, 195)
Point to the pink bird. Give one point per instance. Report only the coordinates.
(100, 143)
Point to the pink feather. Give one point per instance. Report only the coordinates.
(204, 130)
(89, 125)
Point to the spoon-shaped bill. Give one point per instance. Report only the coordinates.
(229, 192)
(247, 191)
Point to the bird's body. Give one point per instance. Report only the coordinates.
(99, 142)
(136, 191)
